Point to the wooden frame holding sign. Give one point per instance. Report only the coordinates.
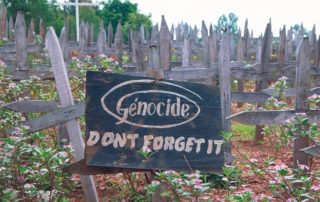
(141, 123)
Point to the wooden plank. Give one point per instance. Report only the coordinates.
(59, 116)
(224, 83)
(21, 42)
(91, 33)
(282, 49)
(118, 43)
(259, 50)
(240, 57)
(262, 84)
(213, 49)
(183, 75)
(224, 75)
(11, 29)
(62, 133)
(110, 35)
(38, 106)
(22, 75)
(313, 44)
(66, 99)
(137, 54)
(247, 97)
(270, 117)
(63, 39)
(186, 52)
(101, 39)
(3, 21)
(313, 151)
(247, 74)
(290, 45)
(147, 35)
(195, 34)
(31, 31)
(172, 32)
(81, 167)
(6, 30)
(246, 38)
(153, 58)
(317, 62)
(82, 39)
(302, 86)
(42, 30)
(178, 33)
(87, 33)
(290, 92)
(205, 44)
(155, 34)
(142, 34)
(164, 45)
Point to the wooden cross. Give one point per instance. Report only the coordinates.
(77, 4)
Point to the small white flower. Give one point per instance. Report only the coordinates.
(26, 127)
(146, 149)
(63, 154)
(12, 86)
(28, 186)
(43, 171)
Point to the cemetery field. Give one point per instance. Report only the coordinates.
(256, 164)
(158, 114)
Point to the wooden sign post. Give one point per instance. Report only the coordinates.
(66, 99)
(143, 123)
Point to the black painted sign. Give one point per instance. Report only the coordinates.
(142, 123)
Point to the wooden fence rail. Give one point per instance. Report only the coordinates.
(182, 45)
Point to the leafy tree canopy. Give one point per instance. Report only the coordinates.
(229, 23)
(127, 13)
(37, 9)
(112, 11)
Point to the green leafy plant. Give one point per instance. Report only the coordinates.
(277, 102)
(314, 101)
(179, 186)
(30, 170)
(3, 41)
(240, 197)
(297, 184)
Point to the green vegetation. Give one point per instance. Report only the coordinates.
(113, 11)
(243, 132)
(229, 22)
(51, 14)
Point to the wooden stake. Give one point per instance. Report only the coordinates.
(302, 92)
(66, 99)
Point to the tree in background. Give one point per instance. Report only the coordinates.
(134, 22)
(115, 11)
(51, 14)
(229, 23)
(87, 14)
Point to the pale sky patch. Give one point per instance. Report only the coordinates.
(258, 12)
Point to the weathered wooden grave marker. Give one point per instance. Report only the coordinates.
(66, 99)
(179, 122)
